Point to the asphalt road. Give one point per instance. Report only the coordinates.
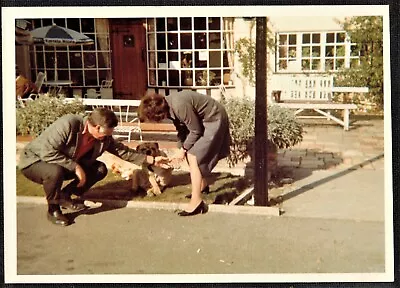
(152, 241)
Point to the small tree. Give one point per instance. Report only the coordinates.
(367, 33)
(245, 47)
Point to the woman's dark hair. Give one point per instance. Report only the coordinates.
(103, 117)
(153, 108)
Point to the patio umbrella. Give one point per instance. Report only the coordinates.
(54, 35)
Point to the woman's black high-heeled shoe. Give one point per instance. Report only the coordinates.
(200, 209)
(206, 190)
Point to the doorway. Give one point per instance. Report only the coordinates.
(128, 43)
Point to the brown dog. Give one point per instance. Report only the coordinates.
(150, 178)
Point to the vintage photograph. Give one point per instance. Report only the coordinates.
(189, 144)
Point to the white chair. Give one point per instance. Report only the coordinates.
(40, 77)
(92, 94)
(106, 90)
(129, 122)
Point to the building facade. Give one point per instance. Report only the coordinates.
(177, 53)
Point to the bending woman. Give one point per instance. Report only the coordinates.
(203, 135)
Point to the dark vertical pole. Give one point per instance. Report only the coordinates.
(260, 159)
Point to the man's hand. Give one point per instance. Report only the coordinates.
(80, 173)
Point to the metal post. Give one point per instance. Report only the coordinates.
(261, 138)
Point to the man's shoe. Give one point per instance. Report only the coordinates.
(74, 205)
(56, 217)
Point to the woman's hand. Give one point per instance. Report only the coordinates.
(162, 162)
(181, 155)
(178, 158)
(80, 173)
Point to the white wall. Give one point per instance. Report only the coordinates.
(305, 23)
(242, 28)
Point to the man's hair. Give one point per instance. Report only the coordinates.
(103, 117)
(153, 107)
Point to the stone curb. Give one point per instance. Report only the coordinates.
(252, 210)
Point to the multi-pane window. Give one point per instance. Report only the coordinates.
(315, 52)
(287, 51)
(311, 51)
(335, 51)
(189, 51)
(84, 65)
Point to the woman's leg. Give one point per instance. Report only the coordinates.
(197, 182)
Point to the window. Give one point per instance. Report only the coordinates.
(315, 52)
(311, 51)
(189, 51)
(84, 65)
(287, 50)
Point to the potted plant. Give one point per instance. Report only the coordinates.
(284, 130)
(204, 79)
(186, 62)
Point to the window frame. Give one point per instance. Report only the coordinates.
(300, 60)
(159, 73)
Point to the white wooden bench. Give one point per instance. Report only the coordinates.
(126, 111)
(307, 92)
(321, 109)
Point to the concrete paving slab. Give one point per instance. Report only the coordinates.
(347, 194)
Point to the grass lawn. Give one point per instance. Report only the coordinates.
(224, 187)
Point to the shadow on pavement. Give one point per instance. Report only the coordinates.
(296, 164)
(223, 186)
(105, 206)
(310, 186)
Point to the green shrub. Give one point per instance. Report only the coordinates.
(37, 115)
(284, 130)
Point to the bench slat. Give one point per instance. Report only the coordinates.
(319, 107)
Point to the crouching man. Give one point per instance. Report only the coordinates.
(68, 150)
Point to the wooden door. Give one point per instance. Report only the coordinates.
(128, 43)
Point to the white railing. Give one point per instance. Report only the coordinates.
(308, 88)
(126, 111)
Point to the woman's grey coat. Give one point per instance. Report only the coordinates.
(203, 127)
